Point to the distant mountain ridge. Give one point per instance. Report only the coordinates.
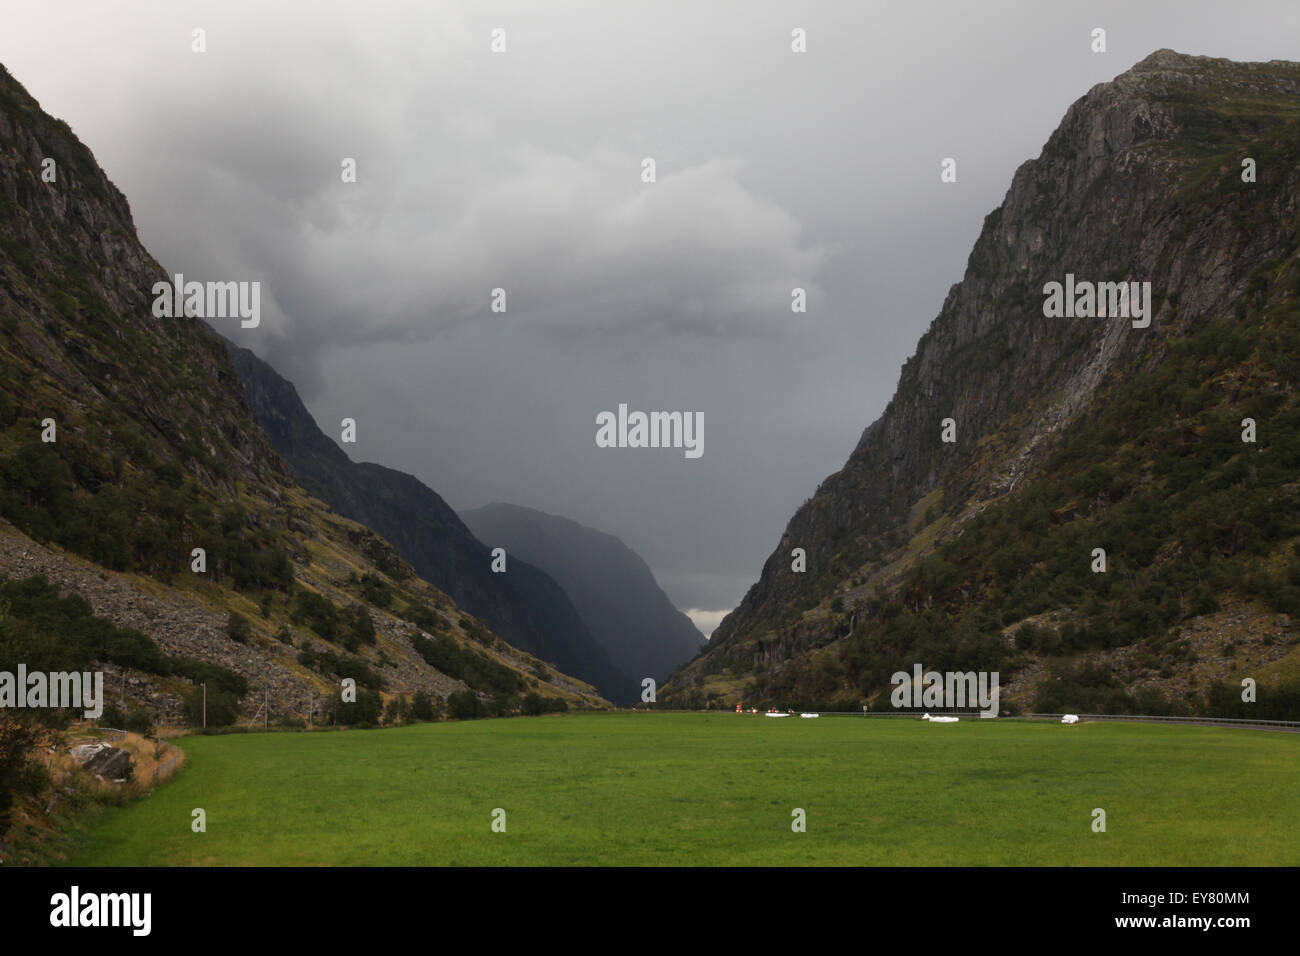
(523, 605)
(610, 584)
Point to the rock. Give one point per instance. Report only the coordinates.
(104, 761)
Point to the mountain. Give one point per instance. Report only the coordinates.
(133, 475)
(1075, 434)
(611, 586)
(523, 604)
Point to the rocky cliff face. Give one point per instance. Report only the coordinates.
(1141, 182)
(76, 300)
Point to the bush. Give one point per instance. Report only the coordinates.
(361, 628)
(318, 614)
(327, 662)
(500, 706)
(376, 591)
(139, 721)
(534, 704)
(237, 628)
(468, 664)
(423, 617)
(214, 675)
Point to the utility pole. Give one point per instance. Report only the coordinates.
(205, 704)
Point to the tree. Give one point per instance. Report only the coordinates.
(464, 705)
(366, 709)
(397, 712)
(18, 773)
(426, 706)
(223, 708)
(362, 627)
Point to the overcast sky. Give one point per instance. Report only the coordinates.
(522, 170)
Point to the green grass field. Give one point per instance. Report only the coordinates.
(692, 789)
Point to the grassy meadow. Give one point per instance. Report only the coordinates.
(720, 789)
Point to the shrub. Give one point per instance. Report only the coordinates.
(139, 721)
(361, 628)
(375, 591)
(423, 617)
(475, 668)
(237, 628)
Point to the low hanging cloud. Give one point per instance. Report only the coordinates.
(523, 171)
(706, 621)
(581, 246)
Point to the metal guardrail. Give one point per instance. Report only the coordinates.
(888, 713)
(1291, 725)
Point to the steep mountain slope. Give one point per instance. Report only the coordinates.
(524, 605)
(611, 586)
(133, 473)
(1074, 433)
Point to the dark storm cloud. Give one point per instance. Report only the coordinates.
(522, 171)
